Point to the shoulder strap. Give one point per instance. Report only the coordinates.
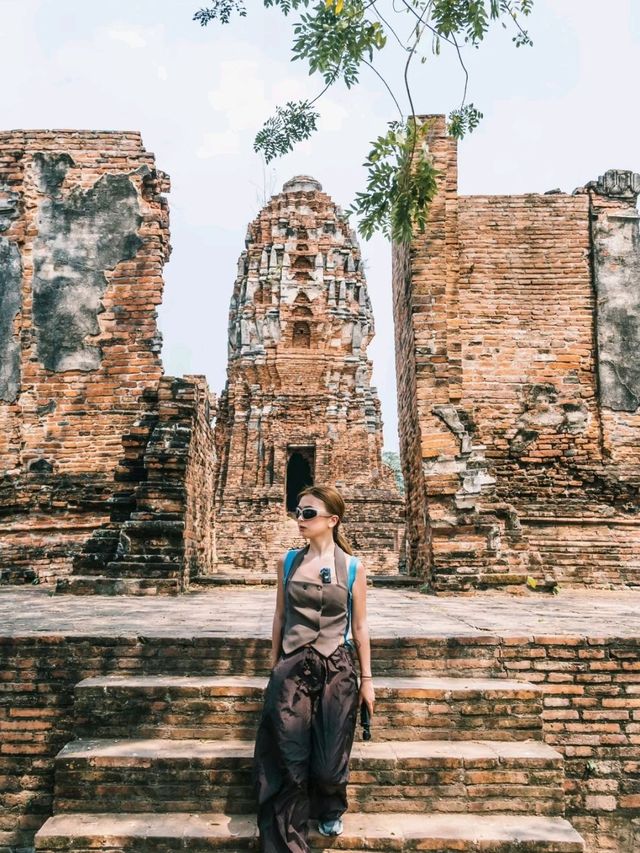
(353, 567)
(354, 562)
(288, 562)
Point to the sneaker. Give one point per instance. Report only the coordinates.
(330, 827)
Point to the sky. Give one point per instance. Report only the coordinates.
(556, 115)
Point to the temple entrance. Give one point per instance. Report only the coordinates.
(300, 470)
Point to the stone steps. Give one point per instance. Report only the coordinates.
(102, 585)
(456, 764)
(241, 578)
(143, 833)
(411, 708)
(135, 567)
(158, 775)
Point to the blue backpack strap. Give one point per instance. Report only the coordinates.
(289, 557)
(352, 570)
(288, 562)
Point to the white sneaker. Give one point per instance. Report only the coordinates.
(331, 827)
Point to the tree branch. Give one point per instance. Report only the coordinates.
(395, 101)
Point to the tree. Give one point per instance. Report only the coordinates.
(337, 38)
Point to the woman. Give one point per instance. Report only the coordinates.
(301, 761)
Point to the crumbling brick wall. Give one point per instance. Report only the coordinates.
(525, 351)
(299, 390)
(83, 240)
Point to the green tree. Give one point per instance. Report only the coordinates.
(336, 38)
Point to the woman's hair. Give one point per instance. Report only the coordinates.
(335, 505)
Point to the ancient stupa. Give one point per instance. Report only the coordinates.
(298, 406)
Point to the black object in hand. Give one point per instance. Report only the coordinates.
(365, 721)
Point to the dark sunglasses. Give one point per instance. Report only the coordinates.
(310, 512)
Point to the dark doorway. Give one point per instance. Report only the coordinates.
(300, 468)
(301, 335)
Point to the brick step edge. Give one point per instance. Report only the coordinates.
(418, 686)
(392, 831)
(384, 581)
(227, 706)
(114, 752)
(413, 776)
(102, 585)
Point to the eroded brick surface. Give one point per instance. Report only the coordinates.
(517, 372)
(90, 430)
(298, 406)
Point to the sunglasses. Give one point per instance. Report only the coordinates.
(309, 512)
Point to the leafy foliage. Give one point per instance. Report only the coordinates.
(401, 183)
(463, 120)
(338, 39)
(220, 10)
(335, 43)
(292, 123)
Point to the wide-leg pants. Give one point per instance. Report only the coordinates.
(304, 740)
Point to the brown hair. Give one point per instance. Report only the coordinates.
(333, 501)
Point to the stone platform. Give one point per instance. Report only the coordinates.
(247, 612)
(503, 722)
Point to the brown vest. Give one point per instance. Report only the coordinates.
(316, 613)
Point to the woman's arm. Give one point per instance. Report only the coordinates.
(360, 632)
(278, 617)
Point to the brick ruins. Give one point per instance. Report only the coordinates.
(517, 344)
(298, 406)
(106, 464)
(517, 324)
(518, 385)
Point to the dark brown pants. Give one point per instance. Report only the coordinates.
(301, 760)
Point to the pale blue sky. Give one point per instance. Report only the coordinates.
(556, 115)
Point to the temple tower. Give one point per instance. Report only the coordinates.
(298, 406)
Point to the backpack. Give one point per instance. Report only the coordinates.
(351, 576)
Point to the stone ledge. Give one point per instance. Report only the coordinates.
(382, 581)
(419, 687)
(392, 831)
(129, 753)
(104, 585)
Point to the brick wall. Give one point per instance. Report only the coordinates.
(161, 531)
(86, 225)
(418, 533)
(591, 708)
(527, 393)
(83, 240)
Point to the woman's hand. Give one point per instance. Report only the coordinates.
(367, 694)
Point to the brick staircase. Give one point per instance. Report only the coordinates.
(163, 763)
(141, 550)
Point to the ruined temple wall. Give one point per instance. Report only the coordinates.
(526, 323)
(434, 297)
(418, 551)
(93, 438)
(530, 329)
(615, 233)
(87, 229)
(252, 477)
(199, 544)
(519, 315)
(428, 368)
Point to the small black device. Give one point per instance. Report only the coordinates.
(365, 721)
(325, 574)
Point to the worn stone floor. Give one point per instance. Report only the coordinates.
(247, 612)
